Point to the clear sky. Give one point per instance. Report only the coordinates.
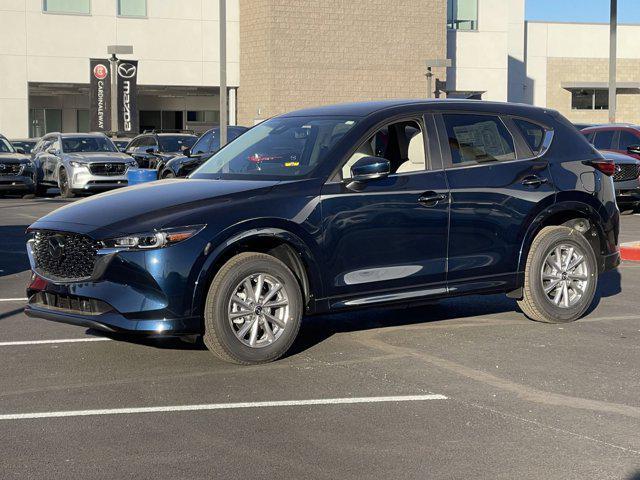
(581, 10)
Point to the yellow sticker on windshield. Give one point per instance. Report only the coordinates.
(291, 164)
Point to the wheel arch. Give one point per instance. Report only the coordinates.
(280, 243)
(569, 213)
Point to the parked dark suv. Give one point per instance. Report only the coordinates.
(191, 158)
(155, 148)
(333, 208)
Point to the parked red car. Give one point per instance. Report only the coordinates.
(620, 138)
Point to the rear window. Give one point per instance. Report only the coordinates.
(478, 138)
(604, 139)
(532, 133)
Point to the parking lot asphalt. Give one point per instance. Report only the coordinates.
(483, 392)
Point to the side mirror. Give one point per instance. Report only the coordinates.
(369, 168)
(52, 151)
(20, 150)
(186, 151)
(151, 150)
(633, 149)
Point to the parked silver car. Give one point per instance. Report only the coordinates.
(625, 180)
(80, 162)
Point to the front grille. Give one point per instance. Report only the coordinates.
(70, 303)
(64, 256)
(10, 169)
(108, 169)
(626, 172)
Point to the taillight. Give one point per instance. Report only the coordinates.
(605, 166)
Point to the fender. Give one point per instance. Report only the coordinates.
(573, 208)
(210, 265)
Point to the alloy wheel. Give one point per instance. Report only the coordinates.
(565, 275)
(258, 310)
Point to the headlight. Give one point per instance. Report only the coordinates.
(157, 239)
(75, 164)
(131, 163)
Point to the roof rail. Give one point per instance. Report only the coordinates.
(170, 130)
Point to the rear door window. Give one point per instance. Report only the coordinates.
(478, 139)
(604, 139)
(533, 134)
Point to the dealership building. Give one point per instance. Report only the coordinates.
(283, 55)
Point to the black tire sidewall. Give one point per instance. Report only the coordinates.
(551, 311)
(216, 318)
(67, 192)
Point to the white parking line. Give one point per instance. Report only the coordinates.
(46, 342)
(13, 299)
(222, 406)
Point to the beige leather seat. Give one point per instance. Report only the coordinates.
(365, 150)
(415, 154)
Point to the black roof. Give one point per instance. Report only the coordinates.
(364, 109)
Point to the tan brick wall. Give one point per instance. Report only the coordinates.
(561, 70)
(295, 54)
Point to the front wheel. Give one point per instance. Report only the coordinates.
(561, 276)
(63, 184)
(253, 310)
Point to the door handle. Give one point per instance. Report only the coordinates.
(431, 199)
(534, 181)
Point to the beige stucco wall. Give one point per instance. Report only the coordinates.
(561, 70)
(307, 53)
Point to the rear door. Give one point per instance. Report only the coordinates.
(497, 183)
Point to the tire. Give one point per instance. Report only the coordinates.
(559, 305)
(222, 335)
(63, 184)
(168, 175)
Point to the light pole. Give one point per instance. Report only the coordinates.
(115, 50)
(223, 72)
(613, 53)
(434, 63)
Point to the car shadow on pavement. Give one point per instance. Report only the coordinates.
(13, 253)
(609, 285)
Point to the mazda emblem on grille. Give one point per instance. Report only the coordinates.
(2, 166)
(56, 247)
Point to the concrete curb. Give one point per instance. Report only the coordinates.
(630, 251)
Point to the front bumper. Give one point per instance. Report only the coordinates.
(142, 292)
(83, 179)
(22, 183)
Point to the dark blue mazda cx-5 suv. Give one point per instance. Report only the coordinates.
(334, 208)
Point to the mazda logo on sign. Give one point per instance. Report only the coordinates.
(126, 70)
(56, 247)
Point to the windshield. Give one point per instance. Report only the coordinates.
(87, 144)
(280, 147)
(175, 144)
(5, 146)
(26, 146)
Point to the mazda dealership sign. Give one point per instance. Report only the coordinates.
(100, 91)
(128, 95)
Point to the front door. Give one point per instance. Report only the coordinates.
(386, 238)
(498, 183)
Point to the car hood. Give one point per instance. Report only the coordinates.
(98, 157)
(13, 158)
(148, 206)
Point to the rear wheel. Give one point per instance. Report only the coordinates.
(560, 276)
(63, 184)
(253, 310)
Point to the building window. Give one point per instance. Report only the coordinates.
(203, 116)
(82, 121)
(590, 99)
(462, 14)
(78, 7)
(132, 8)
(44, 120)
